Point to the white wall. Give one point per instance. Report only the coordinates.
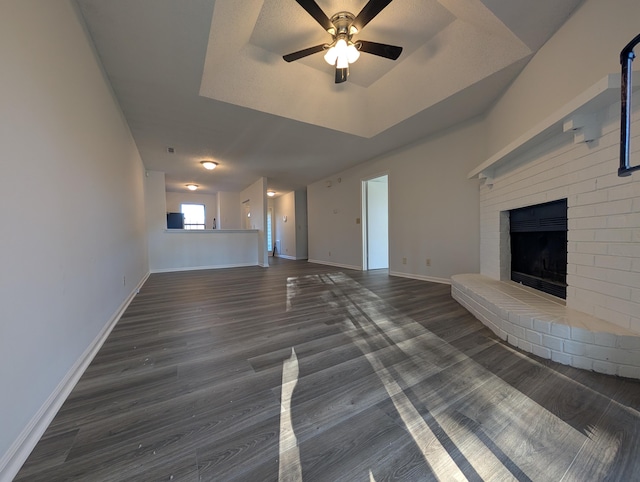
(210, 201)
(256, 194)
(71, 185)
(175, 249)
(197, 249)
(155, 214)
(228, 210)
(302, 228)
(433, 207)
(585, 49)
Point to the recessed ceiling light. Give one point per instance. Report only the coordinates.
(209, 165)
(271, 193)
(192, 187)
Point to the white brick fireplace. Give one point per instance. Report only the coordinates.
(574, 154)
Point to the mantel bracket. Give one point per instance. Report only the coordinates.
(585, 127)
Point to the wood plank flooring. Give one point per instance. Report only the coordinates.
(385, 379)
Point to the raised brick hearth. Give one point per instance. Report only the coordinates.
(539, 324)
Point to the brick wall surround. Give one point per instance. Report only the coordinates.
(603, 249)
(598, 327)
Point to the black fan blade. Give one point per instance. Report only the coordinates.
(316, 12)
(341, 75)
(303, 53)
(368, 12)
(382, 50)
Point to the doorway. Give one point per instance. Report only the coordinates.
(375, 223)
(246, 214)
(269, 231)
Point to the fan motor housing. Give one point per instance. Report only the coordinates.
(343, 24)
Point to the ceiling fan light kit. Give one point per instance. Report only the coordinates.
(342, 50)
(342, 54)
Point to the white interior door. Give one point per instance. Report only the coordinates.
(376, 223)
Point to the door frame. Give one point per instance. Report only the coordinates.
(364, 199)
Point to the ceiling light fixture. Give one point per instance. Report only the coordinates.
(271, 193)
(342, 26)
(210, 165)
(342, 54)
(192, 187)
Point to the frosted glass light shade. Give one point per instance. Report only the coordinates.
(210, 165)
(343, 61)
(353, 53)
(331, 56)
(342, 53)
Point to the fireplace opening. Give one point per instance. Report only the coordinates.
(539, 247)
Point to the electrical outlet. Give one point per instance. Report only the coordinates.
(329, 253)
(404, 260)
(124, 281)
(428, 261)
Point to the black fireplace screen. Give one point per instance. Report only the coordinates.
(539, 247)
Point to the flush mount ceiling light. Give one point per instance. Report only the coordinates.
(342, 50)
(192, 187)
(271, 193)
(210, 165)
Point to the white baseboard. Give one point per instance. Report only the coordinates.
(337, 265)
(196, 268)
(445, 281)
(19, 451)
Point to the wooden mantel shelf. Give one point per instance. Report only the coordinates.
(576, 115)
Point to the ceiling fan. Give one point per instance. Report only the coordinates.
(342, 26)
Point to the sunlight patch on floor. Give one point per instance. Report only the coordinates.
(289, 469)
(375, 327)
(432, 450)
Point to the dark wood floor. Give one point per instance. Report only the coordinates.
(303, 371)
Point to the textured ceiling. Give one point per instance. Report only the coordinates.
(208, 79)
(282, 27)
(444, 55)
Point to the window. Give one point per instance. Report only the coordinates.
(269, 229)
(193, 216)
